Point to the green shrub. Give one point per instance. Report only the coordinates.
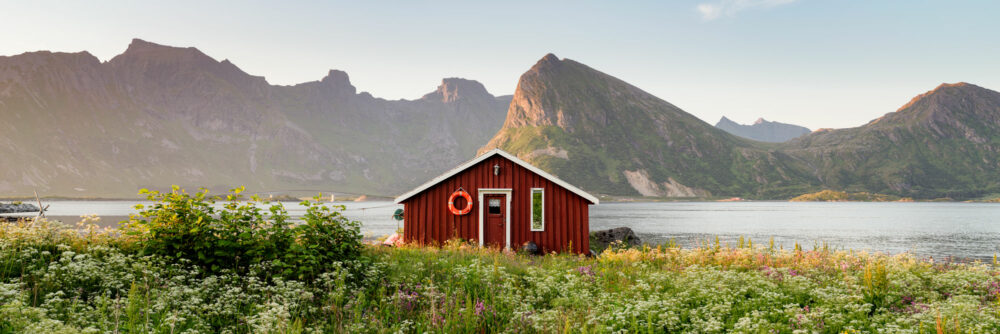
(324, 238)
(241, 233)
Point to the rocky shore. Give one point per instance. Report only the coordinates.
(17, 207)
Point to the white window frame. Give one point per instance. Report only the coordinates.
(531, 210)
(507, 192)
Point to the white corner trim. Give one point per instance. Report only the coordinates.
(501, 191)
(531, 210)
(497, 151)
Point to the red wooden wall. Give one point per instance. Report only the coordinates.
(428, 221)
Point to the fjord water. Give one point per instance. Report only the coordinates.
(938, 229)
(957, 230)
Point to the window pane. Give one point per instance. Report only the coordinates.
(537, 196)
(494, 206)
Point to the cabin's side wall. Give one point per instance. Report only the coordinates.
(428, 221)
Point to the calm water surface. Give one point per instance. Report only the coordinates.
(961, 230)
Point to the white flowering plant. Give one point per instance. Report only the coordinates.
(57, 279)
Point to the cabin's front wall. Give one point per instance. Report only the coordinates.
(428, 221)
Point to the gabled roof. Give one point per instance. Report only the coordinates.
(487, 155)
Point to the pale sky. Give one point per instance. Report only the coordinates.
(834, 63)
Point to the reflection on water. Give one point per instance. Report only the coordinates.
(962, 230)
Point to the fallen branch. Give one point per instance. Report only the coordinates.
(41, 209)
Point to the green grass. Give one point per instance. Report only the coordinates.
(61, 280)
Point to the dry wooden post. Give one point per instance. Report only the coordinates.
(41, 209)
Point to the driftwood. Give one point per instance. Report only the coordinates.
(41, 209)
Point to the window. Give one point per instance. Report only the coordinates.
(494, 206)
(537, 209)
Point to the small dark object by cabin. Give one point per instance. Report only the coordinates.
(530, 248)
(599, 240)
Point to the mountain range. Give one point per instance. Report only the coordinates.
(613, 138)
(763, 130)
(158, 115)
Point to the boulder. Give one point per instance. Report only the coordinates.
(531, 248)
(599, 240)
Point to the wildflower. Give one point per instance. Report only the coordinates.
(480, 307)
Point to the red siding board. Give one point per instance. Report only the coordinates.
(428, 220)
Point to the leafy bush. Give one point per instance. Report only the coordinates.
(324, 237)
(241, 233)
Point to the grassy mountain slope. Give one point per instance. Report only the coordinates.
(944, 143)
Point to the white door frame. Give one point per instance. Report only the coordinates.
(490, 191)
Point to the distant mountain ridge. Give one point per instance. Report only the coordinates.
(158, 115)
(763, 130)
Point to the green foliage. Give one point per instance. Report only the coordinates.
(875, 285)
(240, 233)
(324, 237)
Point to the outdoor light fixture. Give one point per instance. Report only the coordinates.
(496, 169)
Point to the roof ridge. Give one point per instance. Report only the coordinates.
(506, 155)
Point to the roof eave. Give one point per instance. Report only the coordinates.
(579, 192)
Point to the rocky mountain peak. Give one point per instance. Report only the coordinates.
(574, 96)
(548, 62)
(762, 130)
(139, 46)
(149, 51)
(946, 106)
(154, 65)
(528, 106)
(943, 89)
(338, 81)
(454, 89)
(549, 58)
(49, 58)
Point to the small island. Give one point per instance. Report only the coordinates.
(842, 196)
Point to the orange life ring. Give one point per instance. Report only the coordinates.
(468, 203)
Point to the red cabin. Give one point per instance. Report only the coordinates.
(512, 203)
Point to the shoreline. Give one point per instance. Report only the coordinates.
(603, 200)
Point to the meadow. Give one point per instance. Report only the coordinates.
(180, 267)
